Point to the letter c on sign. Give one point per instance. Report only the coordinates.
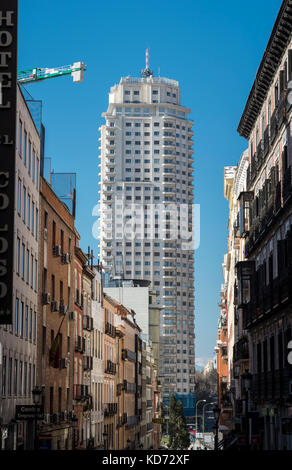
(289, 358)
(3, 290)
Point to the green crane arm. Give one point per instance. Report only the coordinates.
(39, 74)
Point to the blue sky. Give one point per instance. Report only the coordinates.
(212, 48)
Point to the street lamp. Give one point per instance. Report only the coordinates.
(105, 436)
(36, 396)
(216, 411)
(200, 401)
(206, 404)
(246, 378)
(75, 425)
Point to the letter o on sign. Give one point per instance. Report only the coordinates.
(5, 38)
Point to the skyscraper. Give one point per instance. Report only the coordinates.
(146, 200)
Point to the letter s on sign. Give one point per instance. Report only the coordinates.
(289, 358)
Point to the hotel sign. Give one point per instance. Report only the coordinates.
(8, 93)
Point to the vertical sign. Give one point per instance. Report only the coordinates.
(8, 79)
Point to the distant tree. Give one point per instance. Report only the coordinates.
(182, 434)
(172, 421)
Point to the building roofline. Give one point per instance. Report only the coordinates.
(278, 42)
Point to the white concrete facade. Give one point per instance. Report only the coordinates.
(146, 166)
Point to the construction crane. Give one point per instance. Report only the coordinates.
(38, 74)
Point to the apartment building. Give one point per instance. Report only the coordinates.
(232, 344)
(145, 177)
(18, 341)
(97, 373)
(110, 370)
(266, 227)
(55, 332)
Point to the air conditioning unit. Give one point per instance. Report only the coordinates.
(66, 258)
(71, 315)
(63, 363)
(62, 310)
(46, 298)
(45, 233)
(54, 306)
(57, 250)
(47, 419)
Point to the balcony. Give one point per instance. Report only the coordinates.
(110, 368)
(128, 355)
(266, 141)
(80, 392)
(87, 323)
(87, 363)
(274, 126)
(287, 187)
(149, 427)
(132, 421)
(129, 387)
(110, 330)
(80, 344)
(110, 409)
(271, 385)
(240, 350)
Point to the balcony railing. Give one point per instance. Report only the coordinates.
(110, 367)
(87, 363)
(128, 355)
(110, 330)
(80, 392)
(110, 409)
(87, 323)
(240, 350)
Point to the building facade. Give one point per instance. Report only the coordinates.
(232, 344)
(266, 227)
(145, 177)
(97, 374)
(55, 325)
(19, 341)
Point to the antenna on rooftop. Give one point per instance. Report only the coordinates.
(147, 72)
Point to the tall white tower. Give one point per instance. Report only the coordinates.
(146, 199)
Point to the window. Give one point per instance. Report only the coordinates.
(24, 205)
(18, 256)
(20, 137)
(32, 217)
(10, 376)
(23, 261)
(33, 165)
(20, 377)
(30, 324)
(19, 197)
(37, 173)
(25, 148)
(36, 223)
(15, 376)
(28, 211)
(34, 327)
(31, 270)
(21, 315)
(4, 376)
(29, 157)
(16, 315)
